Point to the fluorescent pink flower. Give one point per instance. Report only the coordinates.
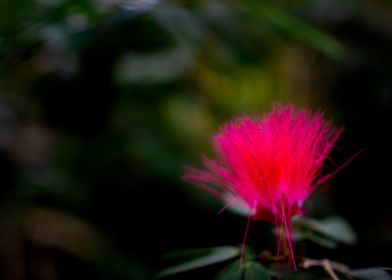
(273, 163)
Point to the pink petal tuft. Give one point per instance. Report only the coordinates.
(273, 163)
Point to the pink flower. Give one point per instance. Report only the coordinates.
(273, 163)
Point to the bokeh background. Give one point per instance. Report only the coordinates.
(103, 103)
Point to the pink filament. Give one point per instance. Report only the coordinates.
(273, 163)
(244, 240)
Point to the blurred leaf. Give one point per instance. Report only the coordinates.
(236, 205)
(195, 253)
(314, 237)
(246, 89)
(56, 229)
(249, 271)
(138, 5)
(231, 272)
(300, 234)
(322, 241)
(374, 273)
(255, 271)
(154, 67)
(334, 228)
(52, 228)
(297, 29)
(204, 257)
(14, 16)
(338, 229)
(191, 30)
(178, 111)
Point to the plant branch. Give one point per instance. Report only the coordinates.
(329, 266)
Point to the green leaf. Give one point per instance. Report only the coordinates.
(338, 229)
(334, 228)
(203, 257)
(187, 254)
(231, 272)
(255, 271)
(301, 234)
(322, 241)
(374, 273)
(237, 206)
(249, 271)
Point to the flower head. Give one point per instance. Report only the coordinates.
(273, 163)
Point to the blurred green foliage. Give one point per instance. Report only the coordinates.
(102, 103)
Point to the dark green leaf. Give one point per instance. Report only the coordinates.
(187, 254)
(249, 271)
(322, 241)
(231, 272)
(334, 228)
(198, 252)
(338, 229)
(211, 256)
(255, 271)
(300, 234)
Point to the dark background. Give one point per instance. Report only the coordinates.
(102, 104)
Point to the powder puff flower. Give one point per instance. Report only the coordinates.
(272, 163)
